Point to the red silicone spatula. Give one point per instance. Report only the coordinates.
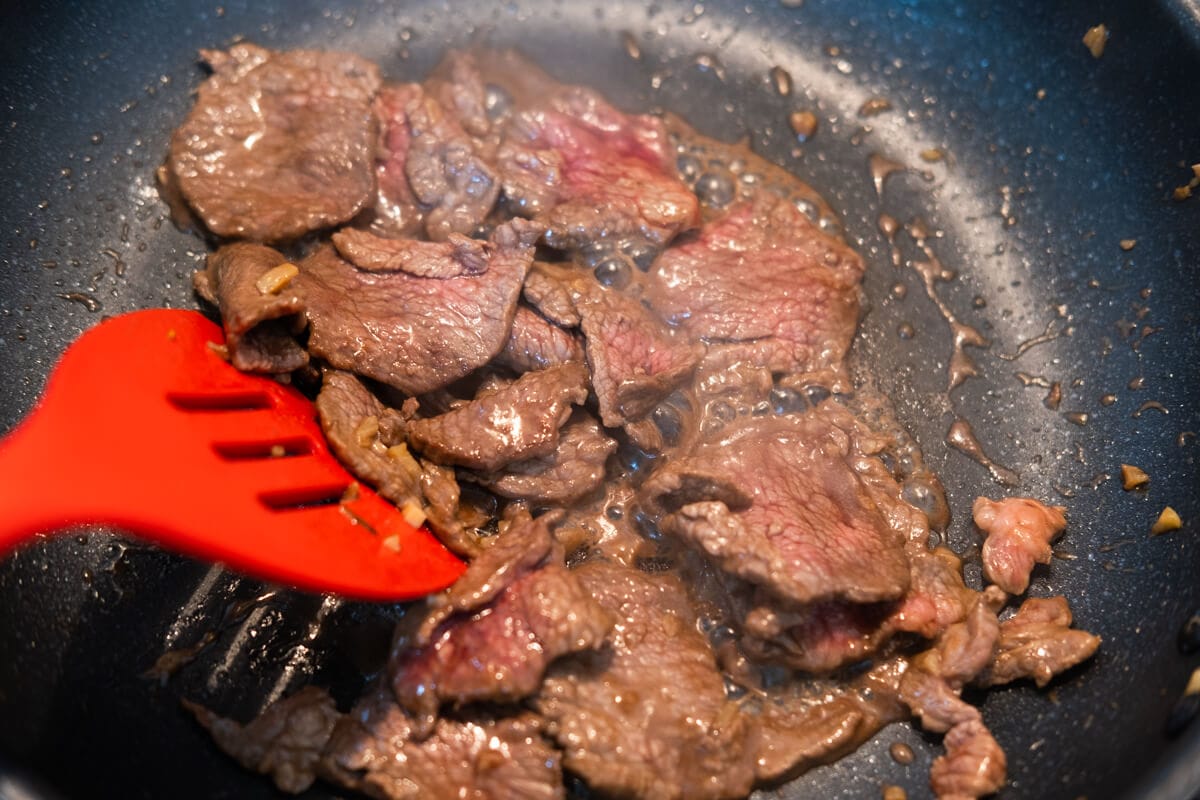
(143, 426)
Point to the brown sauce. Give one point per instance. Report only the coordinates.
(961, 437)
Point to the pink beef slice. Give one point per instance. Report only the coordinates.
(590, 172)
(1019, 531)
(648, 716)
(515, 610)
(810, 530)
(377, 750)
(417, 334)
(1038, 642)
(278, 143)
(765, 279)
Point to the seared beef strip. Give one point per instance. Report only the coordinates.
(649, 718)
(635, 360)
(816, 638)
(370, 440)
(810, 533)
(575, 468)
(285, 741)
(455, 257)
(533, 343)
(397, 211)
(376, 750)
(589, 172)
(512, 423)
(1019, 531)
(261, 315)
(546, 291)
(1038, 642)
(417, 334)
(278, 143)
(764, 276)
(445, 171)
(516, 611)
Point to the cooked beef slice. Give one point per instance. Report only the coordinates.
(635, 360)
(445, 172)
(284, 741)
(533, 343)
(376, 750)
(589, 172)
(491, 636)
(416, 334)
(512, 423)
(368, 438)
(278, 143)
(825, 722)
(260, 322)
(763, 276)
(458, 85)
(1019, 531)
(397, 211)
(549, 294)
(455, 257)
(817, 638)
(810, 533)
(574, 469)
(1038, 642)
(649, 716)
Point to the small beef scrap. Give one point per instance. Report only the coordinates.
(511, 423)
(369, 439)
(397, 211)
(810, 533)
(445, 172)
(260, 309)
(648, 718)
(455, 257)
(284, 741)
(1019, 531)
(573, 470)
(417, 334)
(278, 143)
(937, 597)
(1038, 642)
(533, 344)
(589, 172)
(974, 764)
(492, 637)
(376, 750)
(765, 277)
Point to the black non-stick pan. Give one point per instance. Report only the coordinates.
(1046, 159)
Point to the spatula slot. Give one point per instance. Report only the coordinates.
(278, 448)
(303, 497)
(219, 401)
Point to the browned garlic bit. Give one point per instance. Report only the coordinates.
(276, 279)
(1167, 521)
(1095, 39)
(804, 124)
(1132, 477)
(1128, 244)
(894, 793)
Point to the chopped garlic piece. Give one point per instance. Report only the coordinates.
(413, 513)
(276, 279)
(1168, 520)
(1128, 244)
(1132, 477)
(392, 543)
(1095, 39)
(366, 431)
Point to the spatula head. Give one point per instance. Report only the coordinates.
(145, 426)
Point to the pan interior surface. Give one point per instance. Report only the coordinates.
(1027, 159)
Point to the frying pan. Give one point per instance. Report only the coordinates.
(1050, 158)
